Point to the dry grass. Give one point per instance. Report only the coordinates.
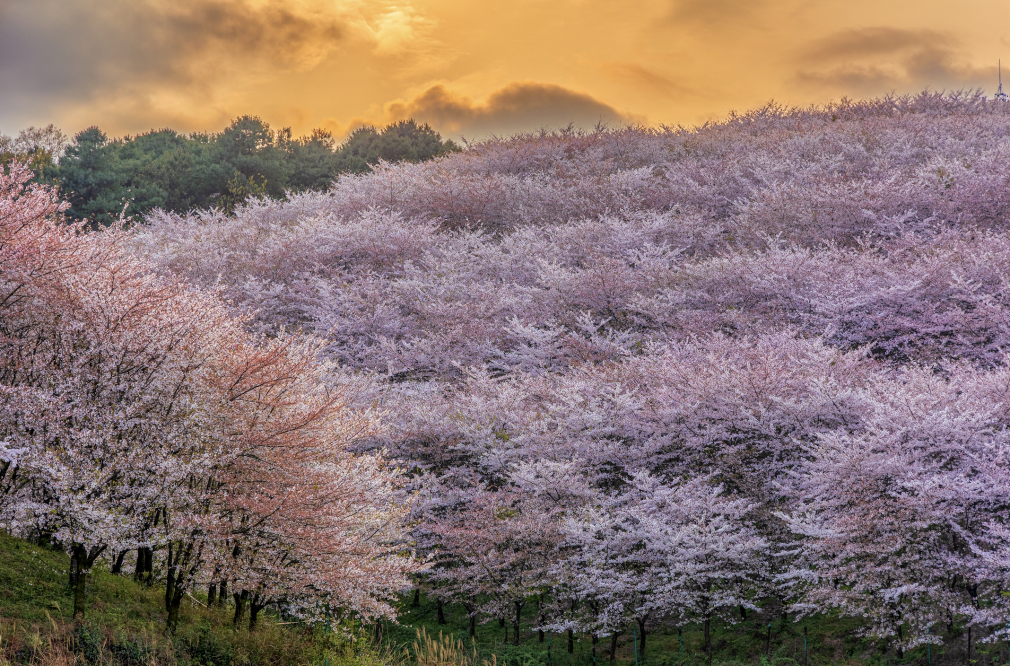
(28, 645)
(445, 651)
(61, 644)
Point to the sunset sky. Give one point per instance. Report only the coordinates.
(471, 67)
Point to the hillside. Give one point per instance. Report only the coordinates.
(765, 356)
(125, 623)
(645, 383)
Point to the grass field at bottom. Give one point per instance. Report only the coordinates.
(124, 626)
(816, 641)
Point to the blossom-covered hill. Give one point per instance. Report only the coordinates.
(658, 375)
(874, 223)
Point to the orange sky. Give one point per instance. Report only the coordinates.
(472, 67)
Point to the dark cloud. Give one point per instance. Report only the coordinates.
(516, 107)
(79, 50)
(876, 60)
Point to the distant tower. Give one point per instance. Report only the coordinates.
(1000, 96)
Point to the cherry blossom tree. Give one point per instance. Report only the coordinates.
(136, 412)
(497, 546)
(102, 404)
(900, 518)
(682, 553)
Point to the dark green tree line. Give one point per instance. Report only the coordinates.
(102, 177)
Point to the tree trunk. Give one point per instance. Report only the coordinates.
(240, 601)
(170, 567)
(768, 643)
(613, 644)
(138, 568)
(73, 568)
(222, 595)
(595, 607)
(82, 559)
(471, 611)
(417, 597)
(708, 639)
(571, 634)
(79, 575)
(743, 613)
(174, 603)
(969, 645)
(179, 570)
(117, 567)
(641, 637)
(144, 569)
(540, 618)
(212, 588)
(257, 604)
(515, 622)
(378, 632)
(441, 612)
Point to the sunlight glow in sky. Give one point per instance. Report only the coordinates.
(472, 67)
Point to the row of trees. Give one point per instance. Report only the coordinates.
(647, 377)
(695, 484)
(163, 169)
(138, 416)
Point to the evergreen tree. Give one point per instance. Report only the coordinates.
(162, 169)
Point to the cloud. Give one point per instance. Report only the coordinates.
(644, 78)
(714, 13)
(519, 106)
(399, 30)
(874, 60)
(80, 50)
(870, 42)
(402, 38)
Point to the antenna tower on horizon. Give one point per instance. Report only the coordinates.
(1000, 95)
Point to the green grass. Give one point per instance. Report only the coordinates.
(831, 641)
(124, 626)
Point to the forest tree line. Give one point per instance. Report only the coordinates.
(103, 177)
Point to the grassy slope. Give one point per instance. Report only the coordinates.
(125, 623)
(125, 626)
